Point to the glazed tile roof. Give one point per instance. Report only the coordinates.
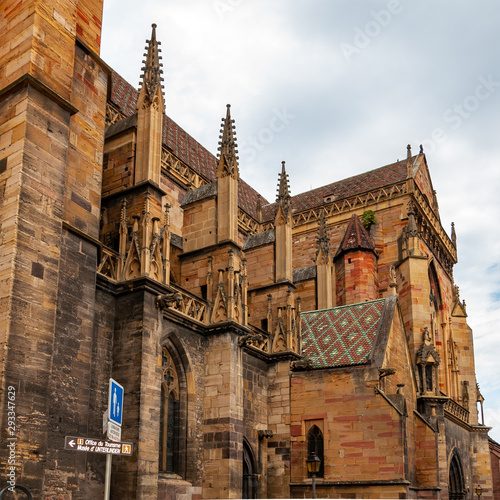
(355, 237)
(124, 97)
(342, 336)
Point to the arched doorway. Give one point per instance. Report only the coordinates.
(249, 473)
(456, 484)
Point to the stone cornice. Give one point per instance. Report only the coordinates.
(28, 80)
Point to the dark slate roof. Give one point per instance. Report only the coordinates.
(342, 336)
(259, 239)
(176, 240)
(124, 97)
(206, 191)
(303, 274)
(355, 237)
(121, 125)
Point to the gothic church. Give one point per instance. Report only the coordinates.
(247, 333)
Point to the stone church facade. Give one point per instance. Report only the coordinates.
(246, 333)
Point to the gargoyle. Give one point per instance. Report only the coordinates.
(301, 364)
(385, 372)
(169, 299)
(246, 339)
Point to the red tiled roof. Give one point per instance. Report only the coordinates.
(357, 184)
(342, 336)
(189, 150)
(124, 97)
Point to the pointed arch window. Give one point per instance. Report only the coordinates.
(169, 415)
(315, 445)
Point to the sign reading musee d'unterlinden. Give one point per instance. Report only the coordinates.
(92, 445)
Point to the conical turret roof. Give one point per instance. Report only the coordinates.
(356, 237)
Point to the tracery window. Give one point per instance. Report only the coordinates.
(315, 445)
(169, 415)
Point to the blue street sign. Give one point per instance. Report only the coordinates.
(115, 402)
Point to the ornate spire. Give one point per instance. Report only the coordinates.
(409, 166)
(453, 235)
(151, 78)
(283, 197)
(228, 161)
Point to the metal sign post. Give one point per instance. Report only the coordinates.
(114, 417)
(107, 478)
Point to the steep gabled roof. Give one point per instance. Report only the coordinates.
(357, 184)
(355, 237)
(341, 336)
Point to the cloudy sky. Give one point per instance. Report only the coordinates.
(339, 87)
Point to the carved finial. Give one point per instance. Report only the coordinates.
(323, 239)
(412, 223)
(456, 294)
(409, 167)
(453, 235)
(228, 161)
(283, 197)
(123, 214)
(259, 208)
(167, 207)
(421, 149)
(151, 78)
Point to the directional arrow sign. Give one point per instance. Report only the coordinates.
(96, 445)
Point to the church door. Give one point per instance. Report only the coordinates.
(456, 486)
(249, 473)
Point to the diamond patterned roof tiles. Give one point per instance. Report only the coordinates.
(342, 336)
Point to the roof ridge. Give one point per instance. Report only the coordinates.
(345, 179)
(345, 305)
